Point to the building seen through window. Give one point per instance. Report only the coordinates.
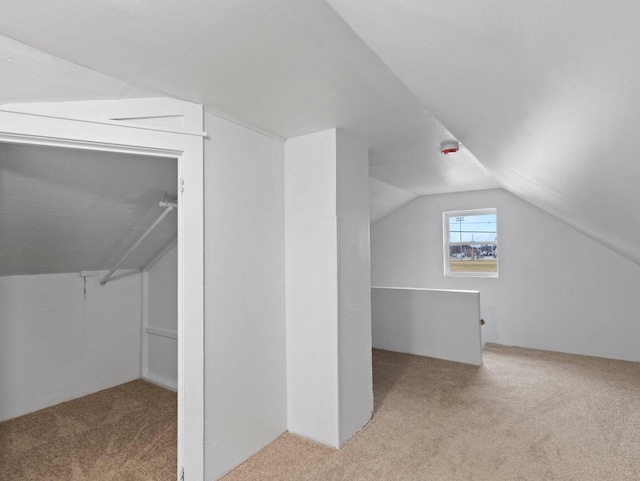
(471, 243)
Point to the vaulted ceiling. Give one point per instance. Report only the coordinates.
(543, 95)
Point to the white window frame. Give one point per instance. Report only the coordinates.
(446, 248)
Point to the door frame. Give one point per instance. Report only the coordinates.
(188, 149)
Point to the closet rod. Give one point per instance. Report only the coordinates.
(169, 206)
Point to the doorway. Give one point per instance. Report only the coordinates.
(38, 130)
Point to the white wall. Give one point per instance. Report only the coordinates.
(160, 321)
(312, 286)
(245, 358)
(444, 324)
(327, 283)
(354, 282)
(558, 289)
(59, 342)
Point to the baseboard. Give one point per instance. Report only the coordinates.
(162, 383)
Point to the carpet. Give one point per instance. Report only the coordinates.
(524, 415)
(124, 433)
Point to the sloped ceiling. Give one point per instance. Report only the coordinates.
(64, 210)
(385, 199)
(289, 68)
(30, 75)
(543, 95)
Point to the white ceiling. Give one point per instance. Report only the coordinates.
(385, 198)
(64, 210)
(31, 75)
(543, 95)
(286, 67)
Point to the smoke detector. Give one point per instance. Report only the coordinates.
(449, 147)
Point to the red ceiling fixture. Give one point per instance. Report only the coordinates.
(449, 147)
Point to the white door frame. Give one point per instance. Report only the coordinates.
(27, 128)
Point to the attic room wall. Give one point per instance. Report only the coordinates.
(558, 289)
(328, 300)
(245, 358)
(160, 331)
(58, 343)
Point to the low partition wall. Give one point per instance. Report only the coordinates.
(439, 323)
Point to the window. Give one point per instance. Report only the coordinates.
(471, 243)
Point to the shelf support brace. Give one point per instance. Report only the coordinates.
(169, 206)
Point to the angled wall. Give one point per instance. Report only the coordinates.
(557, 289)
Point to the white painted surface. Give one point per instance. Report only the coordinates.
(354, 281)
(428, 322)
(30, 75)
(417, 166)
(58, 343)
(540, 115)
(162, 361)
(163, 293)
(299, 62)
(113, 315)
(539, 92)
(289, 68)
(159, 113)
(385, 198)
(160, 324)
(66, 210)
(245, 383)
(329, 393)
(558, 289)
(69, 133)
(312, 287)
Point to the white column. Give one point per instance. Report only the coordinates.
(328, 306)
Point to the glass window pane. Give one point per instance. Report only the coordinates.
(473, 243)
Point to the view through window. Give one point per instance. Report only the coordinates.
(471, 243)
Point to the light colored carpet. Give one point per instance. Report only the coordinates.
(124, 433)
(524, 415)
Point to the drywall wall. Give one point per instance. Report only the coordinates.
(160, 321)
(329, 390)
(354, 281)
(62, 337)
(245, 358)
(444, 324)
(557, 290)
(312, 286)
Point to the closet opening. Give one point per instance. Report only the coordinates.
(89, 303)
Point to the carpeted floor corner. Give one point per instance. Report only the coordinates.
(525, 415)
(124, 433)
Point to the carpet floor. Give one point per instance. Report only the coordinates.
(124, 433)
(525, 415)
